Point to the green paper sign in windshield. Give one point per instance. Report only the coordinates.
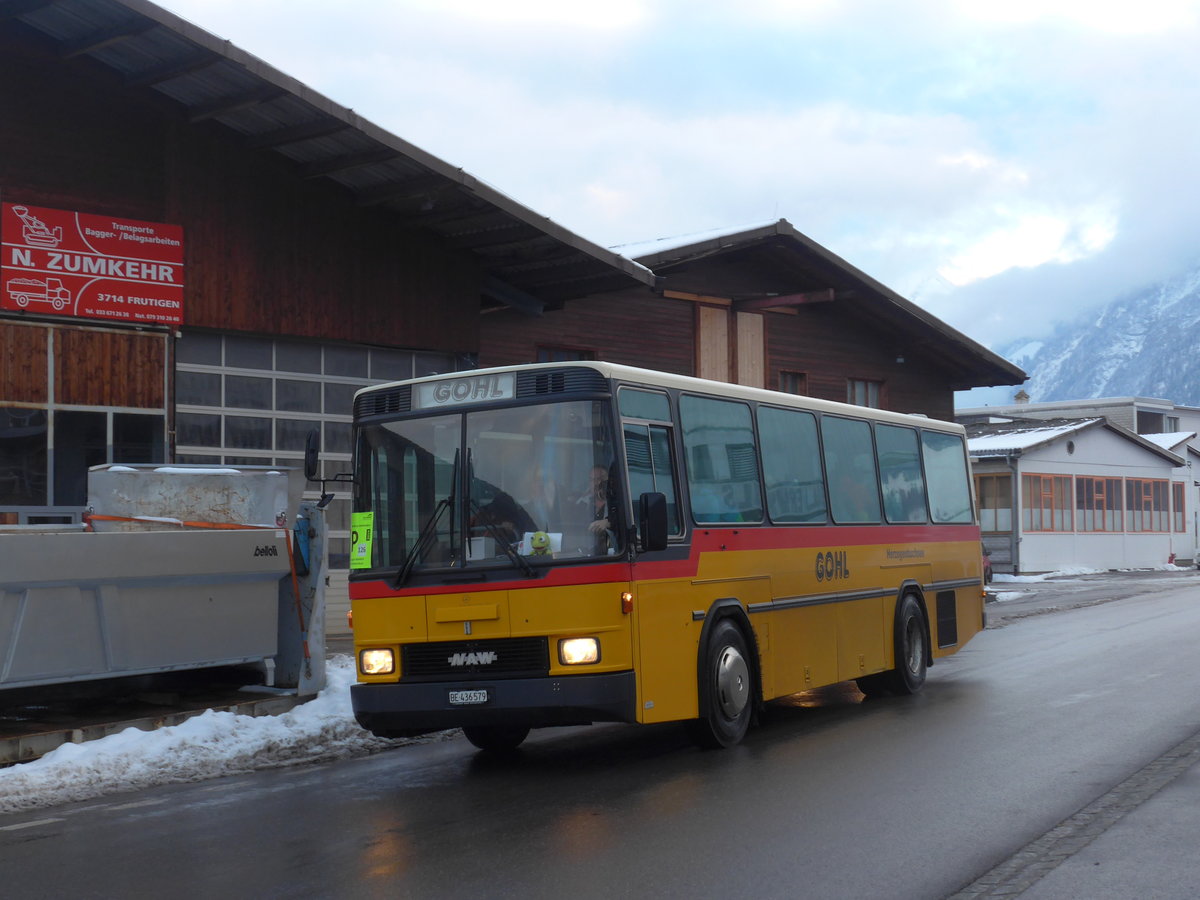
(362, 530)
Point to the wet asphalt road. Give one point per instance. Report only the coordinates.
(835, 798)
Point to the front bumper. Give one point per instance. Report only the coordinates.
(407, 709)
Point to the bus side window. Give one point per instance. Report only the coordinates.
(946, 475)
(718, 436)
(791, 461)
(900, 474)
(850, 468)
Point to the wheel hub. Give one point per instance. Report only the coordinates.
(733, 683)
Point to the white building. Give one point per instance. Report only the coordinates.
(1057, 493)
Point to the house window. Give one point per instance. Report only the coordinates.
(1146, 500)
(864, 393)
(1098, 504)
(1046, 502)
(995, 502)
(563, 354)
(1177, 508)
(793, 382)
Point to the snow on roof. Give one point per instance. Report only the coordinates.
(1171, 439)
(636, 249)
(1015, 440)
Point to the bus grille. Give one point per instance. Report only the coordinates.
(475, 660)
(380, 403)
(560, 381)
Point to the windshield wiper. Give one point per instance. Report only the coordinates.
(498, 537)
(430, 528)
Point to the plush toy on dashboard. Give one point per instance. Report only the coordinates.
(539, 542)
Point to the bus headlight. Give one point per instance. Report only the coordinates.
(377, 662)
(579, 651)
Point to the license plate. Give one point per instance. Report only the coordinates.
(466, 698)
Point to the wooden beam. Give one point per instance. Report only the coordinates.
(697, 298)
(294, 134)
(784, 300)
(11, 9)
(104, 37)
(263, 93)
(345, 162)
(175, 68)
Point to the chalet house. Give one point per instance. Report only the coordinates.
(1061, 493)
(766, 307)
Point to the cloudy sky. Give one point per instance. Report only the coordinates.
(1003, 163)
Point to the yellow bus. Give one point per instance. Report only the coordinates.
(567, 543)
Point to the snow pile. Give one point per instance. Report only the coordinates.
(1033, 579)
(210, 745)
(1001, 596)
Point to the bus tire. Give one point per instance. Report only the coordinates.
(910, 644)
(726, 689)
(496, 738)
(909, 675)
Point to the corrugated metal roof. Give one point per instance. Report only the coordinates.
(1013, 441)
(531, 260)
(1015, 437)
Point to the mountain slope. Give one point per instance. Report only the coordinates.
(1146, 344)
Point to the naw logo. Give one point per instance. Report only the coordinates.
(482, 658)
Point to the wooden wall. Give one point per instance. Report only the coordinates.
(633, 328)
(42, 363)
(95, 367)
(643, 329)
(23, 363)
(830, 348)
(265, 251)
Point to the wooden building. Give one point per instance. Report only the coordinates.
(314, 253)
(767, 307)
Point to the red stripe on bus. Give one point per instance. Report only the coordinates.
(704, 540)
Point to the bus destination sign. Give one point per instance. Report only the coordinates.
(467, 389)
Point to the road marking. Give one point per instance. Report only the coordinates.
(33, 824)
(136, 804)
(1040, 857)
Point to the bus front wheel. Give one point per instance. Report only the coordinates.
(496, 738)
(726, 690)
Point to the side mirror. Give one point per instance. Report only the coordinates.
(652, 521)
(312, 447)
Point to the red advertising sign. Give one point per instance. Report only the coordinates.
(96, 267)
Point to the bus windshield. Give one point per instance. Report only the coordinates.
(518, 485)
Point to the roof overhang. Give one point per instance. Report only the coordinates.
(532, 262)
(784, 269)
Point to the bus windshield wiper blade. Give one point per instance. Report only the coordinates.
(430, 529)
(517, 559)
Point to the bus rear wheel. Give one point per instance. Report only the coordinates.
(496, 738)
(909, 675)
(726, 690)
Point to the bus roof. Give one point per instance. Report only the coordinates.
(652, 378)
